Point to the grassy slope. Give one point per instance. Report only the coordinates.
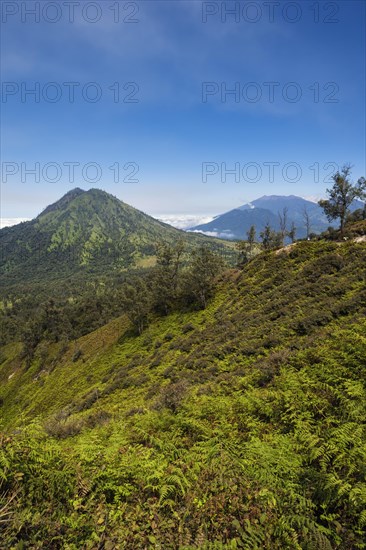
(241, 425)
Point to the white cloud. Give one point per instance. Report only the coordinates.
(183, 221)
(313, 198)
(8, 222)
(221, 235)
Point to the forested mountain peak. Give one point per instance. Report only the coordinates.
(86, 231)
(61, 203)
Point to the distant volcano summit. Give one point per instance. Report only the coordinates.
(235, 223)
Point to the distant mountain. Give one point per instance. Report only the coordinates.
(85, 232)
(235, 223)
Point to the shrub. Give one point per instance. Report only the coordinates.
(188, 328)
(87, 401)
(62, 429)
(77, 354)
(172, 396)
(97, 418)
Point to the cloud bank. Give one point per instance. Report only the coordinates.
(8, 222)
(184, 221)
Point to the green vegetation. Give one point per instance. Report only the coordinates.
(342, 195)
(270, 238)
(84, 236)
(248, 249)
(179, 281)
(240, 425)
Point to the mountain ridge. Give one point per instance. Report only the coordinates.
(266, 209)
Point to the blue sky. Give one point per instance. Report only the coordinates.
(171, 135)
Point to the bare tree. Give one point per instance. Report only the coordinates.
(283, 218)
(307, 221)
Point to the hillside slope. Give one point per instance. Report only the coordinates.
(87, 233)
(239, 426)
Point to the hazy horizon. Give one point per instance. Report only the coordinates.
(180, 220)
